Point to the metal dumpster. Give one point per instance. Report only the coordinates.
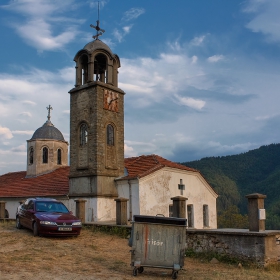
(157, 242)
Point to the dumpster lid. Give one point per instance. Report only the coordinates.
(160, 220)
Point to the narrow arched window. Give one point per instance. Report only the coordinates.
(83, 134)
(100, 68)
(31, 155)
(59, 156)
(45, 155)
(110, 135)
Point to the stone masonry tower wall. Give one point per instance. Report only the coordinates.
(96, 123)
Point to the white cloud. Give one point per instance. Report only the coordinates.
(133, 13)
(118, 35)
(23, 132)
(29, 102)
(38, 33)
(194, 59)
(94, 4)
(191, 102)
(129, 151)
(197, 41)
(39, 28)
(252, 6)
(160, 78)
(25, 114)
(129, 15)
(215, 58)
(175, 46)
(43, 89)
(19, 149)
(127, 29)
(5, 133)
(266, 18)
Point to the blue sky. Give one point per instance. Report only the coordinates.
(201, 77)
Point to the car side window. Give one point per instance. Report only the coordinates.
(30, 205)
(25, 204)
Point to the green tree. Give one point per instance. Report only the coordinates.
(231, 218)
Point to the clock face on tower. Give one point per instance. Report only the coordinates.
(111, 100)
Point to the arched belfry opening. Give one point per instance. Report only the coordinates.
(100, 68)
(96, 63)
(84, 68)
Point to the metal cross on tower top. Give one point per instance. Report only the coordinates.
(99, 31)
(49, 112)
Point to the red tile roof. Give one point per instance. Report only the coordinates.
(15, 184)
(56, 183)
(142, 166)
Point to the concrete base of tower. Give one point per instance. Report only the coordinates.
(92, 186)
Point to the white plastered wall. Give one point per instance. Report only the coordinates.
(130, 189)
(96, 209)
(151, 195)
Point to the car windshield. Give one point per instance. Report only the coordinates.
(50, 206)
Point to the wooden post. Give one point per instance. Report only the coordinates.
(81, 209)
(2, 209)
(121, 211)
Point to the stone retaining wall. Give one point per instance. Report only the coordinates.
(262, 248)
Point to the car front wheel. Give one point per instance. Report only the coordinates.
(18, 224)
(35, 229)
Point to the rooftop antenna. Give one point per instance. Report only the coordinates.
(99, 31)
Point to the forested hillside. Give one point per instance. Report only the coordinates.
(233, 177)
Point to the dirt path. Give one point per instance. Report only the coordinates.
(94, 255)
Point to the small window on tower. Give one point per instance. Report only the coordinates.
(59, 156)
(83, 134)
(45, 155)
(110, 135)
(31, 155)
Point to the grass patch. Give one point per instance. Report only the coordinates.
(207, 257)
(7, 224)
(275, 267)
(117, 265)
(122, 232)
(98, 259)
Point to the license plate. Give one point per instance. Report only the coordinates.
(64, 229)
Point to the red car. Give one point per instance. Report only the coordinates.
(47, 216)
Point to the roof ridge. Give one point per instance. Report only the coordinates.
(155, 158)
(154, 168)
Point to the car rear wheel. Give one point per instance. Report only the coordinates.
(18, 224)
(35, 229)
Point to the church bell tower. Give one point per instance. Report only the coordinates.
(96, 126)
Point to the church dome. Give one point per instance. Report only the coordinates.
(48, 131)
(97, 45)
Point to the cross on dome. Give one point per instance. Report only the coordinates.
(49, 108)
